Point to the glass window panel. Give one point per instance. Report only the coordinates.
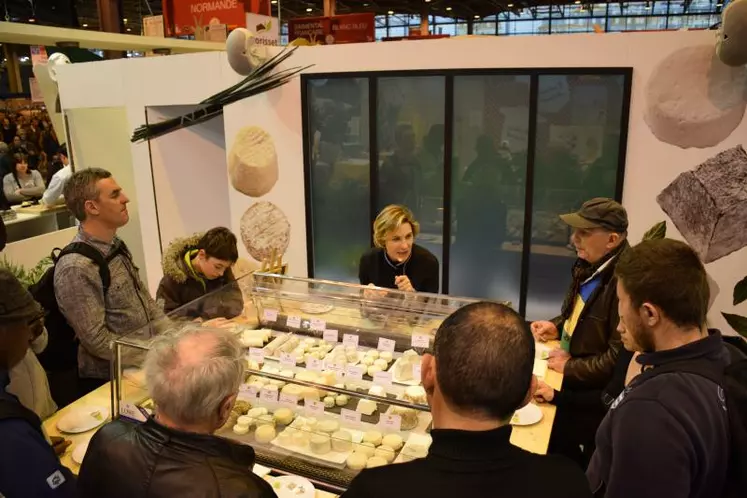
(543, 12)
(461, 28)
(491, 120)
(576, 159)
(635, 8)
(380, 33)
(484, 28)
(414, 20)
(636, 24)
(600, 9)
(398, 20)
(701, 6)
(616, 24)
(340, 164)
(676, 7)
(381, 21)
(615, 9)
(398, 31)
(446, 29)
(410, 124)
(656, 22)
(700, 21)
(660, 8)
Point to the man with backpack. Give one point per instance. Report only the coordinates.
(96, 285)
(675, 429)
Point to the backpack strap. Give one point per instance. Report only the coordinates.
(703, 368)
(91, 253)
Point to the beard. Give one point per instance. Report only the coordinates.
(642, 338)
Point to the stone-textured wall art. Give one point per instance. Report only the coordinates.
(265, 229)
(695, 100)
(253, 162)
(708, 205)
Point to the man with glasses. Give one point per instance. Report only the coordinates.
(28, 464)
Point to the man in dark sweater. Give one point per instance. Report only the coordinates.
(667, 434)
(479, 373)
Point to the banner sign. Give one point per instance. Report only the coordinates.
(345, 28)
(190, 17)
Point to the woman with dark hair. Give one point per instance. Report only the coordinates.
(22, 184)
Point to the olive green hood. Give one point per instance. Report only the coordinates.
(173, 259)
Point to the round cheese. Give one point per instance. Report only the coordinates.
(283, 416)
(373, 437)
(253, 162)
(320, 444)
(393, 441)
(367, 449)
(264, 434)
(328, 426)
(385, 452)
(342, 441)
(240, 428)
(264, 229)
(375, 461)
(357, 461)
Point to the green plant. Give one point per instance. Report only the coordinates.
(27, 277)
(738, 322)
(658, 231)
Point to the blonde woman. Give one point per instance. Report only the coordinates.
(396, 262)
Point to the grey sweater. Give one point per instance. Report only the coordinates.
(99, 319)
(31, 186)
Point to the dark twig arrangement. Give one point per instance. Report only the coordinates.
(262, 79)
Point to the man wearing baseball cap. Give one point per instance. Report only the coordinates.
(28, 464)
(587, 324)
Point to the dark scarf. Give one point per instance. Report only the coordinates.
(582, 271)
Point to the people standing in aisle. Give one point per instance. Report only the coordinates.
(6, 160)
(22, 183)
(53, 195)
(397, 262)
(193, 378)
(471, 454)
(199, 267)
(28, 464)
(8, 131)
(98, 316)
(667, 434)
(587, 325)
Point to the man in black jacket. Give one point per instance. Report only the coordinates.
(666, 434)
(479, 373)
(194, 379)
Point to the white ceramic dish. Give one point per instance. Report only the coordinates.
(529, 415)
(79, 452)
(83, 419)
(293, 487)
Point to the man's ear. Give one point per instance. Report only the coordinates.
(650, 314)
(428, 373)
(530, 393)
(224, 410)
(91, 208)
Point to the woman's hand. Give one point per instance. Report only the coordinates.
(403, 283)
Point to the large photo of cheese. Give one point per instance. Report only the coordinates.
(264, 229)
(253, 162)
(695, 100)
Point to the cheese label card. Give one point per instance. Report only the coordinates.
(315, 365)
(288, 400)
(421, 341)
(354, 372)
(131, 411)
(269, 396)
(383, 379)
(270, 315)
(390, 422)
(350, 340)
(350, 416)
(247, 392)
(318, 324)
(313, 406)
(331, 336)
(288, 359)
(257, 354)
(386, 345)
(338, 369)
(294, 322)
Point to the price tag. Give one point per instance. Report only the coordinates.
(269, 396)
(318, 324)
(288, 400)
(338, 369)
(315, 365)
(288, 359)
(416, 371)
(383, 379)
(390, 422)
(331, 336)
(354, 372)
(247, 392)
(421, 341)
(257, 354)
(386, 345)
(350, 416)
(293, 322)
(131, 411)
(314, 407)
(350, 340)
(270, 315)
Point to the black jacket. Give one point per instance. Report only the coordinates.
(422, 269)
(667, 435)
(473, 465)
(151, 461)
(595, 343)
(220, 297)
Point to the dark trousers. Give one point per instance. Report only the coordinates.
(66, 386)
(573, 434)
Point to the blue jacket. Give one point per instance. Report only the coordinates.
(29, 466)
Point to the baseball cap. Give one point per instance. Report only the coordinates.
(16, 304)
(599, 212)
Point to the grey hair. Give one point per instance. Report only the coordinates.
(80, 188)
(3, 148)
(191, 392)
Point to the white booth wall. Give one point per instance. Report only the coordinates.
(185, 80)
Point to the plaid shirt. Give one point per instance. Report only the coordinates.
(99, 319)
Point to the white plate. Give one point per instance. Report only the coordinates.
(529, 415)
(260, 470)
(316, 309)
(293, 487)
(542, 351)
(83, 419)
(80, 452)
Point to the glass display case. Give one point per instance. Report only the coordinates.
(332, 383)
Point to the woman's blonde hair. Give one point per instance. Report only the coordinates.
(390, 219)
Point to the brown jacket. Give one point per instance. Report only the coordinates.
(180, 286)
(595, 342)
